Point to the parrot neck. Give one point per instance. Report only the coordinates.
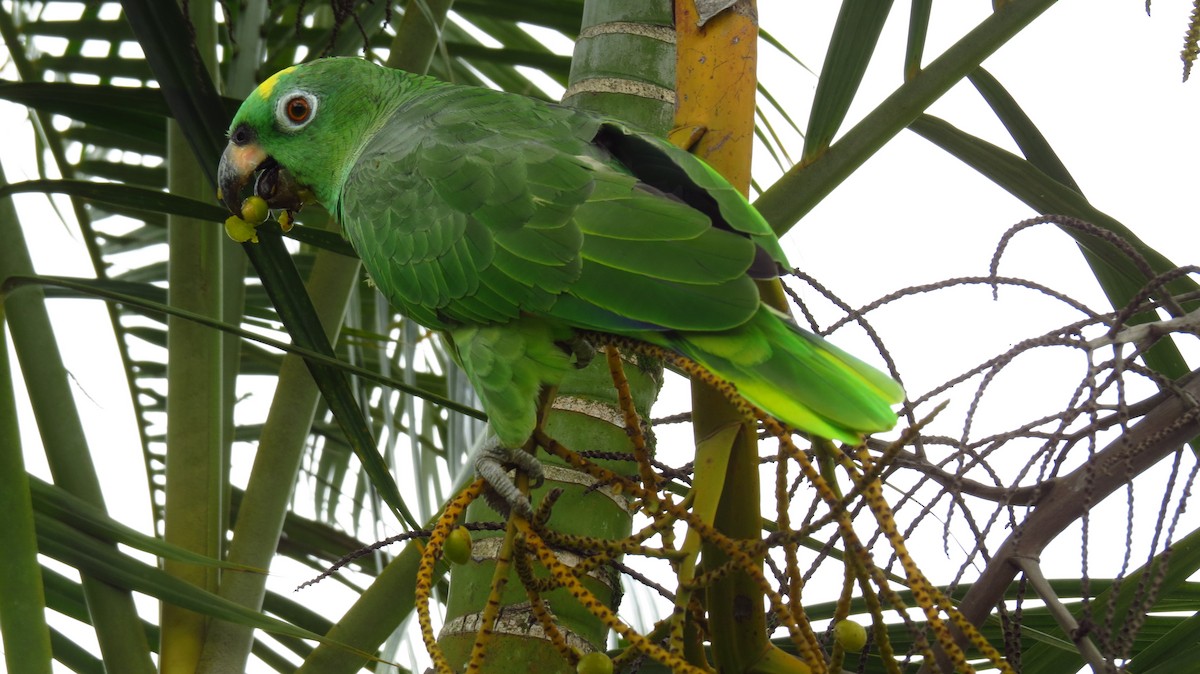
(390, 90)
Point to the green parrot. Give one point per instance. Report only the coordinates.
(510, 225)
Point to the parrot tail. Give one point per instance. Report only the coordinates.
(794, 375)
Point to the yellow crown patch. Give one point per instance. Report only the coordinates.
(264, 90)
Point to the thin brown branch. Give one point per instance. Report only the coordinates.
(1163, 430)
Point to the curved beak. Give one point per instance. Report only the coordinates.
(238, 164)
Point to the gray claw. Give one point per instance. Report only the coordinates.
(584, 350)
(492, 462)
(580, 347)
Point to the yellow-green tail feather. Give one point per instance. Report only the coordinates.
(795, 376)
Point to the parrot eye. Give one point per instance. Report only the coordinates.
(296, 110)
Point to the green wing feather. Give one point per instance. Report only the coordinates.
(450, 221)
(509, 223)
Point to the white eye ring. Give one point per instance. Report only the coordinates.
(295, 110)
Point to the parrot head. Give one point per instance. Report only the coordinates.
(299, 132)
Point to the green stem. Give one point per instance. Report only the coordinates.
(272, 478)
(194, 514)
(22, 597)
(53, 140)
(195, 471)
(67, 453)
(736, 617)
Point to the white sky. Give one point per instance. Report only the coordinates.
(1098, 77)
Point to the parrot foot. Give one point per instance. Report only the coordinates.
(492, 462)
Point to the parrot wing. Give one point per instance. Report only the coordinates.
(456, 226)
(508, 222)
(496, 219)
(472, 206)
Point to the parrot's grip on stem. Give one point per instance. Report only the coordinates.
(492, 461)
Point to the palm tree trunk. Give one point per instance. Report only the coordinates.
(717, 86)
(623, 67)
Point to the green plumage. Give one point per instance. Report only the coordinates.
(509, 223)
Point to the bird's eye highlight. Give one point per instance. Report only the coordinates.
(296, 110)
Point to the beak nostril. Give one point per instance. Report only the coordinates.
(241, 136)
